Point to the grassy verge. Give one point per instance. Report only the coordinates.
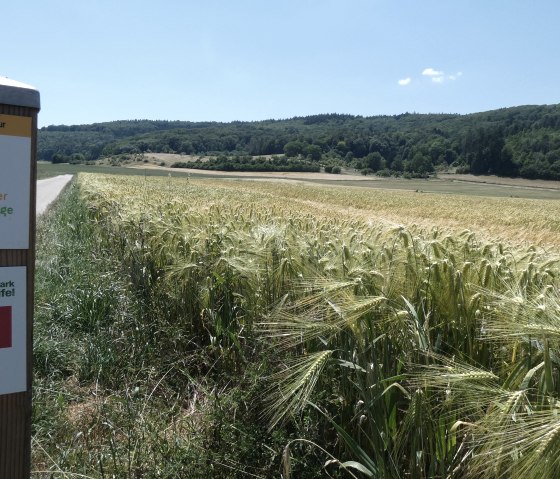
(120, 389)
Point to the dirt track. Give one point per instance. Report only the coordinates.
(48, 190)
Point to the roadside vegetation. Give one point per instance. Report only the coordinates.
(190, 328)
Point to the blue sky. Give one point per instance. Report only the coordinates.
(224, 60)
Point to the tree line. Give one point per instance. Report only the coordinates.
(520, 141)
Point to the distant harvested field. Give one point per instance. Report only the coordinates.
(496, 180)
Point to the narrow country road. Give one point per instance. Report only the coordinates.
(48, 190)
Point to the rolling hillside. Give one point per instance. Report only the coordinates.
(520, 141)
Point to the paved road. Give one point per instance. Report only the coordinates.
(48, 190)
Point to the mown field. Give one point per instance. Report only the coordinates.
(220, 328)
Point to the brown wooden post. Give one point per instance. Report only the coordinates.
(19, 106)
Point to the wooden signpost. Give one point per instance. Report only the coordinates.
(19, 106)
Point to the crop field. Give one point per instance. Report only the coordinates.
(224, 328)
(465, 185)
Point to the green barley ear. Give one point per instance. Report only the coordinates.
(291, 388)
(437, 249)
(406, 238)
(486, 274)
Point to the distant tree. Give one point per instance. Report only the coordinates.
(553, 156)
(385, 173)
(186, 147)
(419, 164)
(382, 145)
(293, 148)
(436, 150)
(504, 164)
(174, 143)
(341, 148)
(482, 149)
(555, 170)
(58, 158)
(359, 147)
(314, 152)
(143, 146)
(450, 156)
(397, 164)
(78, 158)
(535, 169)
(375, 161)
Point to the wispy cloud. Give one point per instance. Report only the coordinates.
(430, 72)
(436, 76)
(439, 76)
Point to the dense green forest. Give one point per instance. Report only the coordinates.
(520, 141)
(250, 163)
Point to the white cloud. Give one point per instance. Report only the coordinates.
(430, 72)
(437, 76)
(454, 77)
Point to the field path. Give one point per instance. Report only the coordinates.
(48, 190)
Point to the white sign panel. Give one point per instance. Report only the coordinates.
(15, 181)
(13, 329)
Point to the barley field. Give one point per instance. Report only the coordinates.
(265, 329)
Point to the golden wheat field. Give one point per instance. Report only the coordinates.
(516, 220)
(423, 328)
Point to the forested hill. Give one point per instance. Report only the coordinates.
(520, 141)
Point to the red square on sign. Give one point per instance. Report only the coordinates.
(5, 327)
